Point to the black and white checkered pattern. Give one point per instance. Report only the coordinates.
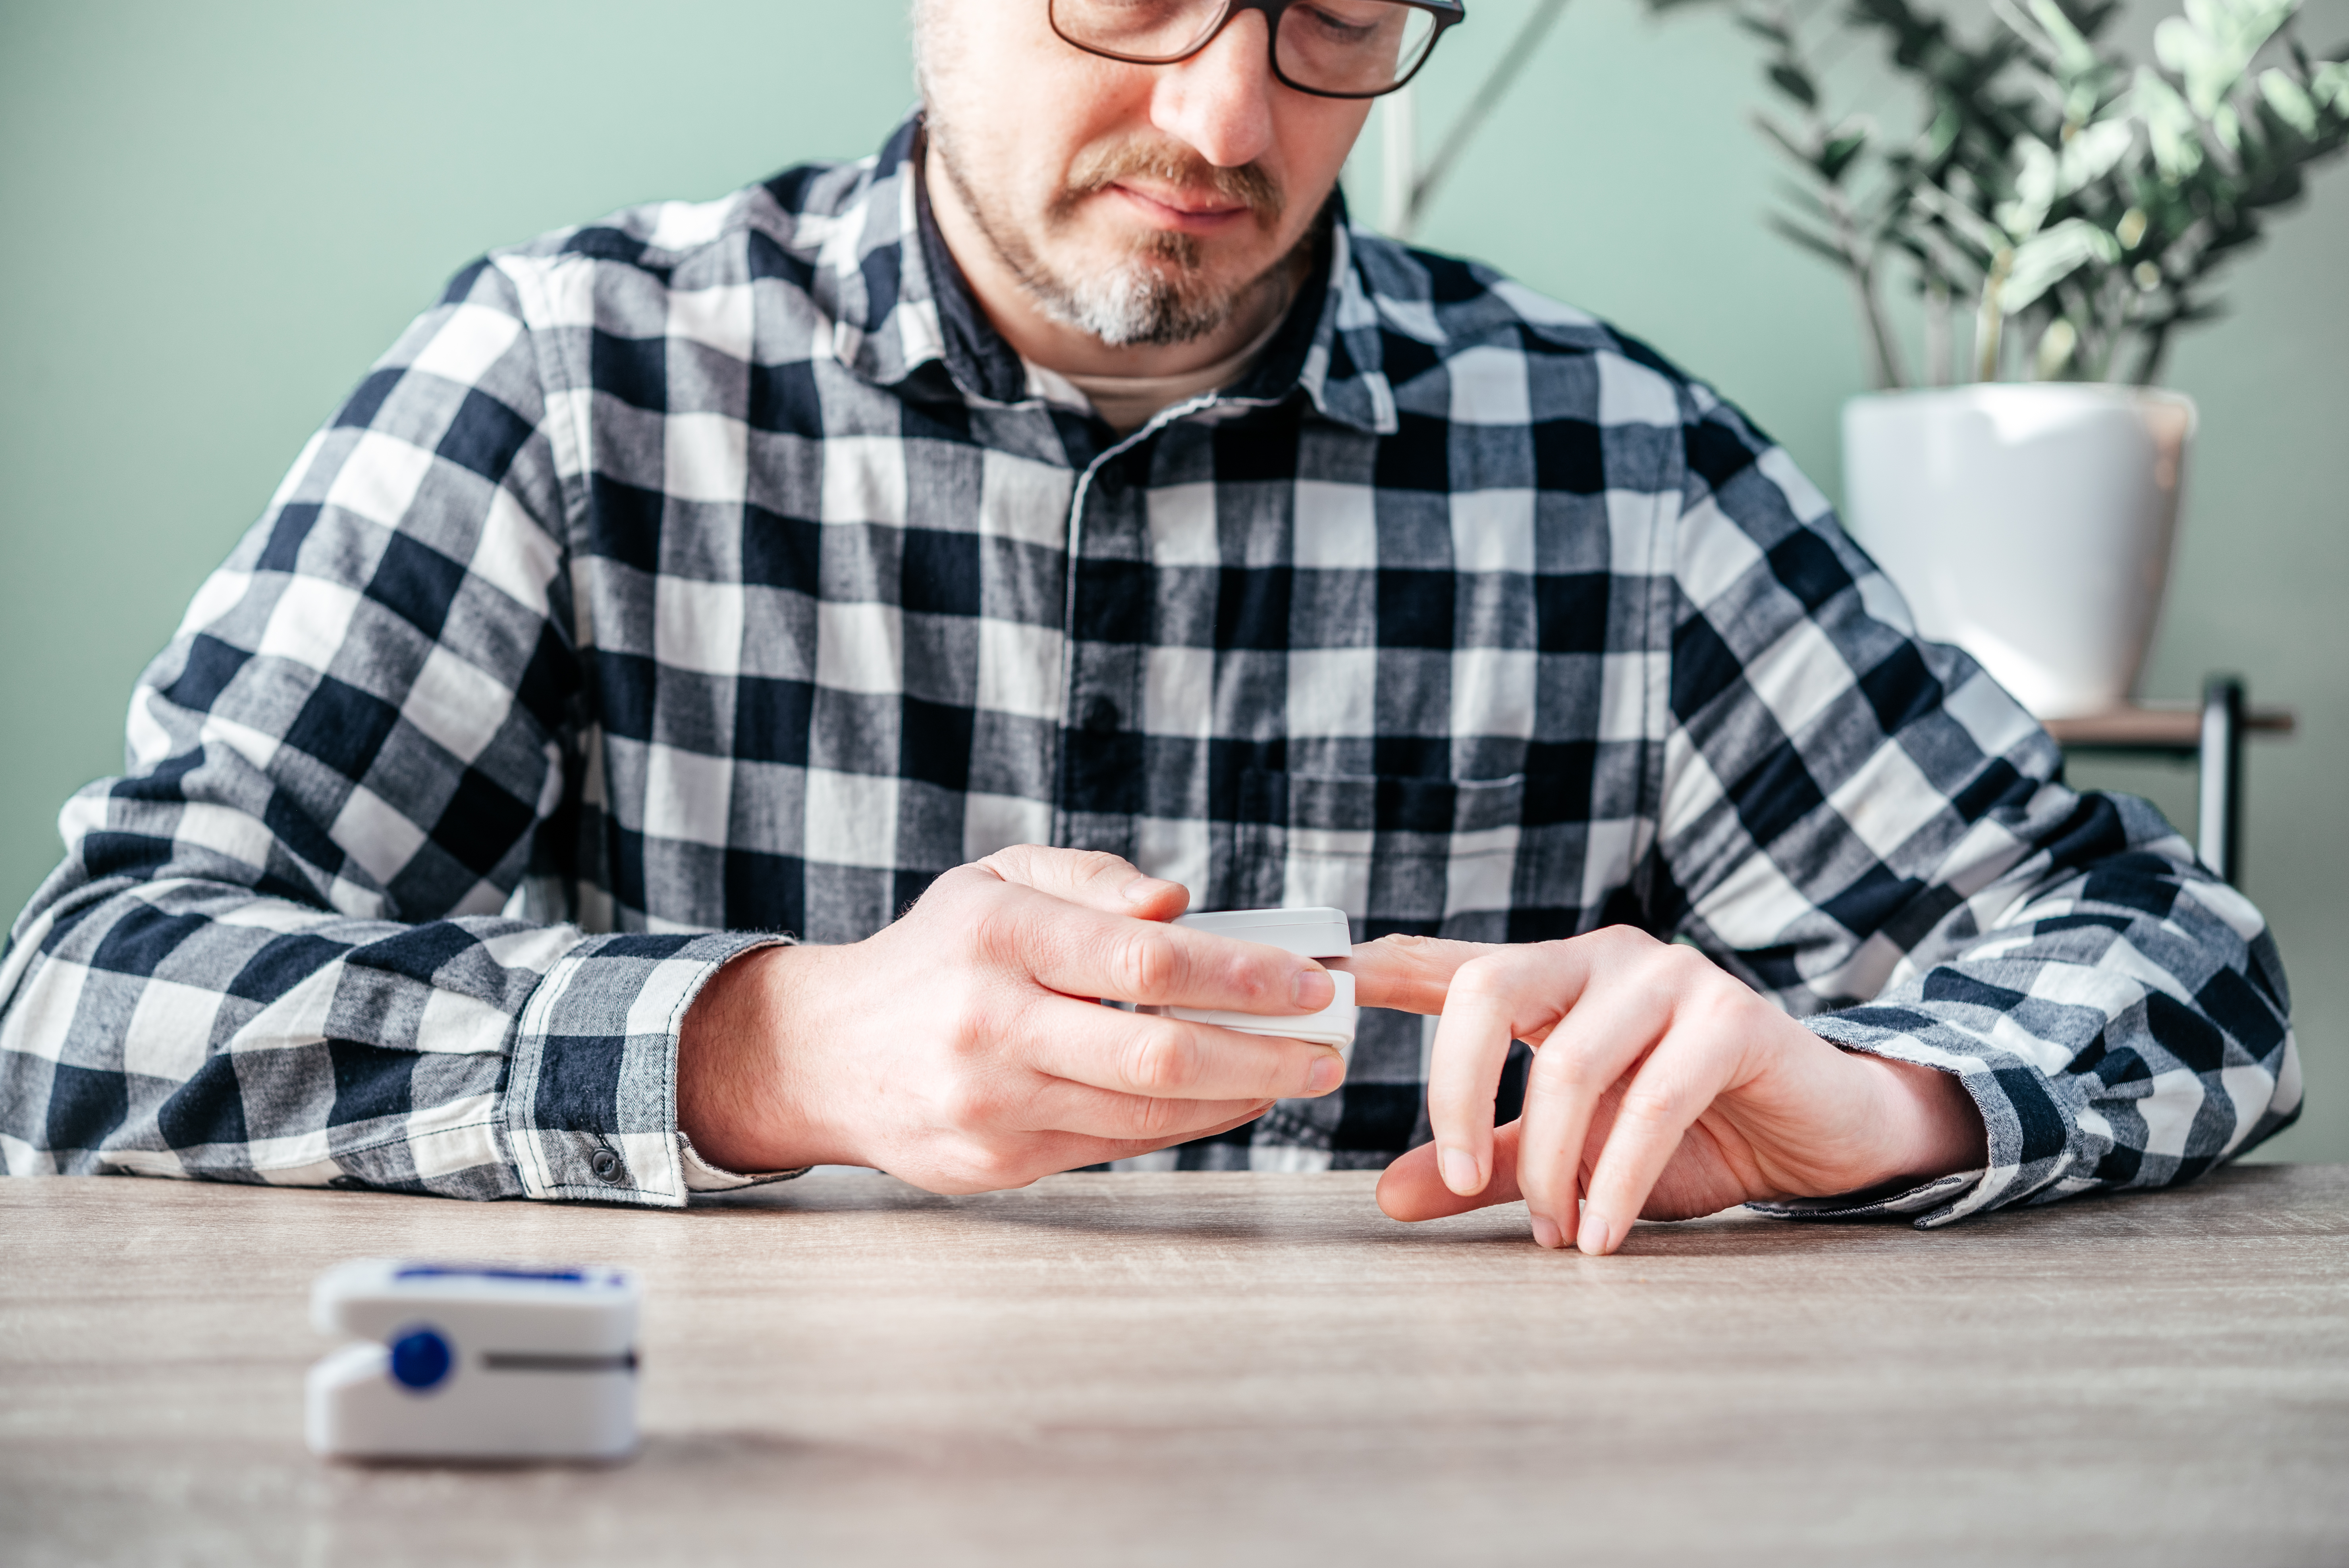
(715, 569)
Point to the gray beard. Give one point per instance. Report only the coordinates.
(1133, 303)
(1154, 298)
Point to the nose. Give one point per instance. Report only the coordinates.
(1219, 101)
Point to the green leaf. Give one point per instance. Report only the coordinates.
(2212, 46)
(2330, 83)
(2171, 124)
(2047, 259)
(2037, 187)
(1841, 149)
(1803, 199)
(1761, 27)
(2093, 152)
(1942, 134)
(2074, 56)
(1794, 82)
(2290, 100)
(1788, 143)
(1818, 245)
(1958, 219)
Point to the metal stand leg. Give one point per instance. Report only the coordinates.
(2220, 842)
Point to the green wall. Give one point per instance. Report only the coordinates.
(221, 213)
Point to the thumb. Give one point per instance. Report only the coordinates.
(1409, 974)
(1410, 1188)
(1092, 877)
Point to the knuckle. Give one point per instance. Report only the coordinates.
(979, 1168)
(1716, 1012)
(1546, 1088)
(1008, 864)
(1161, 1061)
(1143, 963)
(1615, 942)
(1560, 1075)
(1151, 1119)
(1647, 1110)
(1484, 976)
(1091, 865)
(992, 932)
(966, 1104)
(1689, 961)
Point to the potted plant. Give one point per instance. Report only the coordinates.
(2064, 211)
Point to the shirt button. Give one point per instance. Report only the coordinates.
(606, 1166)
(1101, 717)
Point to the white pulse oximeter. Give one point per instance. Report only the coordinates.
(1308, 934)
(475, 1361)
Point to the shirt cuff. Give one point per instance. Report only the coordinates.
(1942, 1194)
(701, 1176)
(590, 1107)
(2026, 1125)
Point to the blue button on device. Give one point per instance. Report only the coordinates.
(420, 1359)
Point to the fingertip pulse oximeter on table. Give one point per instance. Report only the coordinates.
(1308, 934)
(475, 1361)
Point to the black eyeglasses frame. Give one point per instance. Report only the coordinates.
(1448, 14)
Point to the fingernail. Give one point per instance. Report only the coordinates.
(1598, 1232)
(1314, 989)
(1326, 1074)
(1459, 1167)
(1545, 1232)
(1139, 889)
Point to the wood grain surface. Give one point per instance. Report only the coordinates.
(1191, 1368)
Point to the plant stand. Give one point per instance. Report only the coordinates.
(2213, 737)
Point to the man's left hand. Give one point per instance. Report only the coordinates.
(1662, 1088)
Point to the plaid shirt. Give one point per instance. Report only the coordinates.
(715, 570)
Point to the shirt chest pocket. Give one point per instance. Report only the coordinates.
(1448, 857)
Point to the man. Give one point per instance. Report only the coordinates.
(1071, 474)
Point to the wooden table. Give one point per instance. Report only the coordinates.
(1147, 1369)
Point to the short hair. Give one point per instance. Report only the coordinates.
(918, 16)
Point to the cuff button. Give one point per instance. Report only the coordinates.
(606, 1166)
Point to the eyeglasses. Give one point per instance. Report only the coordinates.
(1330, 48)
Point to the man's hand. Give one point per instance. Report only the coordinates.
(1661, 1088)
(962, 1048)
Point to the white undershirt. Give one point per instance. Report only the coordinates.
(1126, 403)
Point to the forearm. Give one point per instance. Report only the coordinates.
(743, 1095)
(1931, 1125)
(2126, 1025)
(203, 1031)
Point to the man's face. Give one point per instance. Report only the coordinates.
(1139, 203)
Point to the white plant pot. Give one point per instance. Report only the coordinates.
(2031, 525)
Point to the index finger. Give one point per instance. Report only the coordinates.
(1409, 974)
(1508, 993)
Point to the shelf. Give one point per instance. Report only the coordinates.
(2175, 730)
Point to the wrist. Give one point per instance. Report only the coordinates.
(743, 1094)
(1931, 1127)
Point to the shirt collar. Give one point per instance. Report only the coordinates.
(903, 316)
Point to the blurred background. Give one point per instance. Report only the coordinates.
(223, 212)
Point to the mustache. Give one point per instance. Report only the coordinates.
(1097, 169)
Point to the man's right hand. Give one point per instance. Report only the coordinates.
(962, 1049)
